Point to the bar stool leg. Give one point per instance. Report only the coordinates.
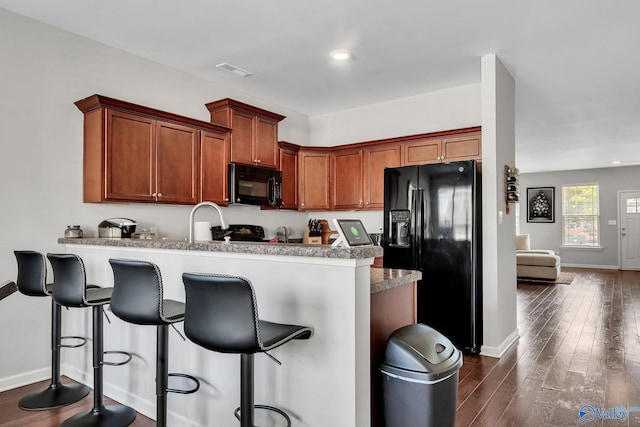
(246, 390)
(100, 415)
(57, 394)
(162, 374)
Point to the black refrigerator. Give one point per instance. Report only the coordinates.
(432, 223)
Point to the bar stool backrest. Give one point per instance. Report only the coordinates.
(32, 273)
(69, 278)
(221, 313)
(137, 292)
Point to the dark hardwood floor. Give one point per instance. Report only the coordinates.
(579, 345)
(12, 416)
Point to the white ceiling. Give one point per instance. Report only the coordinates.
(575, 61)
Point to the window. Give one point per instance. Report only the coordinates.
(580, 215)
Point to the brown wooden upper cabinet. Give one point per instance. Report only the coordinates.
(376, 158)
(254, 131)
(313, 179)
(289, 168)
(462, 147)
(138, 154)
(346, 179)
(443, 149)
(215, 152)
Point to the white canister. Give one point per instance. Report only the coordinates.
(202, 230)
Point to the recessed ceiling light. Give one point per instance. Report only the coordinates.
(235, 70)
(340, 54)
(616, 162)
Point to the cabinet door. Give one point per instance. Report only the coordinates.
(375, 160)
(422, 151)
(266, 143)
(467, 147)
(289, 168)
(314, 180)
(130, 159)
(242, 138)
(346, 179)
(177, 159)
(214, 175)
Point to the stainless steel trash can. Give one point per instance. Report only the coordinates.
(420, 378)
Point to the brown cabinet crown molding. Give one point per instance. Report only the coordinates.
(408, 138)
(237, 105)
(96, 101)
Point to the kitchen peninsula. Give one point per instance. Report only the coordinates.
(324, 381)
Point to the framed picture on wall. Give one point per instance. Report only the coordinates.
(540, 204)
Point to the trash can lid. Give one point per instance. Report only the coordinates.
(420, 348)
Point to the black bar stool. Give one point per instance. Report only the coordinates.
(32, 281)
(222, 315)
(138, 298)
(70, 290)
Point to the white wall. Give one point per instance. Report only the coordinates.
(453, 108)
(44, 71)
(499, 263)
(549, 235)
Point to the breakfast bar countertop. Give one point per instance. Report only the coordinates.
(387, 278)
(330, 288)
(257, 248)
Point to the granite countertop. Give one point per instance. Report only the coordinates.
(257, 248)
(387, 278)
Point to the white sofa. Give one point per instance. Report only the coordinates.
(537, 263)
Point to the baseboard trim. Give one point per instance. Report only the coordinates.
(26, 378)
(143, 406)
(500, 350)
(597, 267)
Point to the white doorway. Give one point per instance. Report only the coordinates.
(629, 213)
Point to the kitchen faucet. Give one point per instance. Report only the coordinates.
(223, 223)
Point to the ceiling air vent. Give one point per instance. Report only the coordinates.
(233, 69)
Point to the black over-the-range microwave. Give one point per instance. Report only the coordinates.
(251, 185)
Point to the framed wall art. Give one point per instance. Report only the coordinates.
(540, 204)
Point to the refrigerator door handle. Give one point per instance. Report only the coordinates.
(417, 226)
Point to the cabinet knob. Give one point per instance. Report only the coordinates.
(154, 195)
(226, 199)
(159, 194)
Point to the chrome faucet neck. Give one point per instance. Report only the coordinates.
(223, 223)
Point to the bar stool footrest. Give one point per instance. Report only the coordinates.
(82, 340)
(184, 391)
(129, 356)
(268, 408)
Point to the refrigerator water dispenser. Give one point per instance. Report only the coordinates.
(400, 226)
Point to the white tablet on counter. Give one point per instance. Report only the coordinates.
(351, 233)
